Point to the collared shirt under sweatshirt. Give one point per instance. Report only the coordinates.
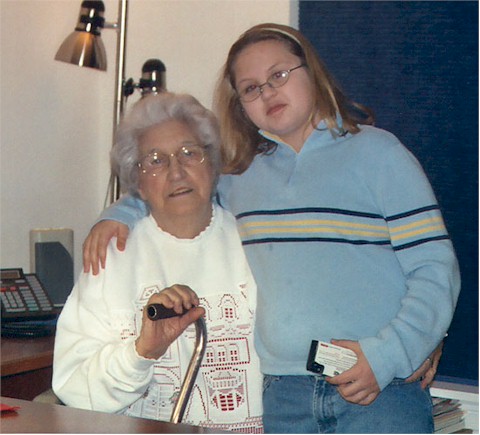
(345, 240)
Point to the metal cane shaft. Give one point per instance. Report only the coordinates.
(158, 311)
(191, 375)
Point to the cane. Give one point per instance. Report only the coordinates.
(157, 312)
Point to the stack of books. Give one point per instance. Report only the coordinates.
(448, 416)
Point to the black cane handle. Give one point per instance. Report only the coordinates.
(159, 311)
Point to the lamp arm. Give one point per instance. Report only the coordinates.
(109, 25)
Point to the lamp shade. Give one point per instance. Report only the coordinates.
(84, 47)
(153, 78)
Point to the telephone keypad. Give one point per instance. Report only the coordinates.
(23, 295)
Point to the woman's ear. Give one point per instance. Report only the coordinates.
(140, 191)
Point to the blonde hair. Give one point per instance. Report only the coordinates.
(240, 138)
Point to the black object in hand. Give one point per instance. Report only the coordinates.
(159, 311)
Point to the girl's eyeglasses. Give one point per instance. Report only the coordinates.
(276, 80)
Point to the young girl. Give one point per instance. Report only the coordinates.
(343, 234)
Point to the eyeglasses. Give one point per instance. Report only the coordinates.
(276, 80)
(188, 155)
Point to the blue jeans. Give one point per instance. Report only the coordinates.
(308, 404)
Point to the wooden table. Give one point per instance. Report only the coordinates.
(26, 366)
(34, 417)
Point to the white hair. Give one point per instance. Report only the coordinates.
(153, 110)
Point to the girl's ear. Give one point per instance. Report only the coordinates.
(244, 112)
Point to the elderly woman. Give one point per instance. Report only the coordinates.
(109, 356)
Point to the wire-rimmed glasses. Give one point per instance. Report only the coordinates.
(187, 155)
(251, 91)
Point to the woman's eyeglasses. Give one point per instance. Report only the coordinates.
(276, 80)
(156, 161)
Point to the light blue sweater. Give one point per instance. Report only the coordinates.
(345, 240)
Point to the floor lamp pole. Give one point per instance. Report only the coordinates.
(119, 85)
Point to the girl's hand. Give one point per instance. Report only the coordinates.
(428, 369)
(95, 245)
(156, 336)
(358, 384)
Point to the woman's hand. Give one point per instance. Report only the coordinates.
(358, 384)
(157, 335)
(428, 369)
(95, 245)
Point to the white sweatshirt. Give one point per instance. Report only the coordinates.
(96, 365)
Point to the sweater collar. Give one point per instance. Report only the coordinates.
(320, 134)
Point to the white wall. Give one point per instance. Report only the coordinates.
(54, 170)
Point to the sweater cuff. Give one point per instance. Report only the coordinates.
(379, 360)
(128, 210)
(141, 368)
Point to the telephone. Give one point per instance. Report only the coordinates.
(27, 310)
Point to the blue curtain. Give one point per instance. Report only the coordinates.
(415, 63)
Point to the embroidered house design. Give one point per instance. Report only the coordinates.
(220, 392)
